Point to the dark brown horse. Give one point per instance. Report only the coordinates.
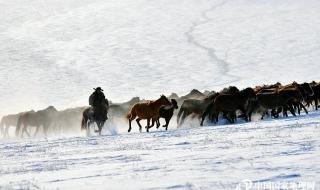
(146, 110)
(209, 109)
(91, 115)
(305, 90)
(316, 97)
(166, 112)
(229, 103)
(280, 99)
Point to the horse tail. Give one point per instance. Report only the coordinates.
(19, 123)
(131, 114)
(128, 116)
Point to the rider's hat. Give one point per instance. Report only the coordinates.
(98, 89)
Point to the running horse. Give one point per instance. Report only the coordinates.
(98, 115)
(148, 110)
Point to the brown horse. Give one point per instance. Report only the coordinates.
(146, 110)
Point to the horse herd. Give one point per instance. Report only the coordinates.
(230, 103)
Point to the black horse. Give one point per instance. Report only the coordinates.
(96, 115)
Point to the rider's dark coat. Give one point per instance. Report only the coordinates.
(97, 98)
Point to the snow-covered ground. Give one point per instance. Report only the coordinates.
(54, 52)
(212, 157)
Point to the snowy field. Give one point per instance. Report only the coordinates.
(54, 52)
(212, 157)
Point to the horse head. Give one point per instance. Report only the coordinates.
(134, 100)
(51, 109)
(164, 100)
(174, 104)
(249, 93)
(307, 89)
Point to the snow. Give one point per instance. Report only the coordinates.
(54, 52)
(212, 157)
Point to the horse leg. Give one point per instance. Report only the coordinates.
(45, 130)
(89, 123)
(316, 102)
(216, 116)
(100, 128)
(279, 110)
(88, 128)
(37, 130)
(129, 126)
(304, 108)
(158, 123)
(203, 118)
(183, 117)
(148, 125)
(205, 113)
(179, 115)
(249, 113)
(5, 131)
(292, 110)
(228, 117)
(132, 117)
(234, 116)
(297, 107)
(284, 111)
(2, 129)
(24, 130)
(100, 125)
(167, 122)
(152, 124)
(243, 110)
(138, 122)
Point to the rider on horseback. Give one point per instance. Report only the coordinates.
(98, 111)
(98, 100)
